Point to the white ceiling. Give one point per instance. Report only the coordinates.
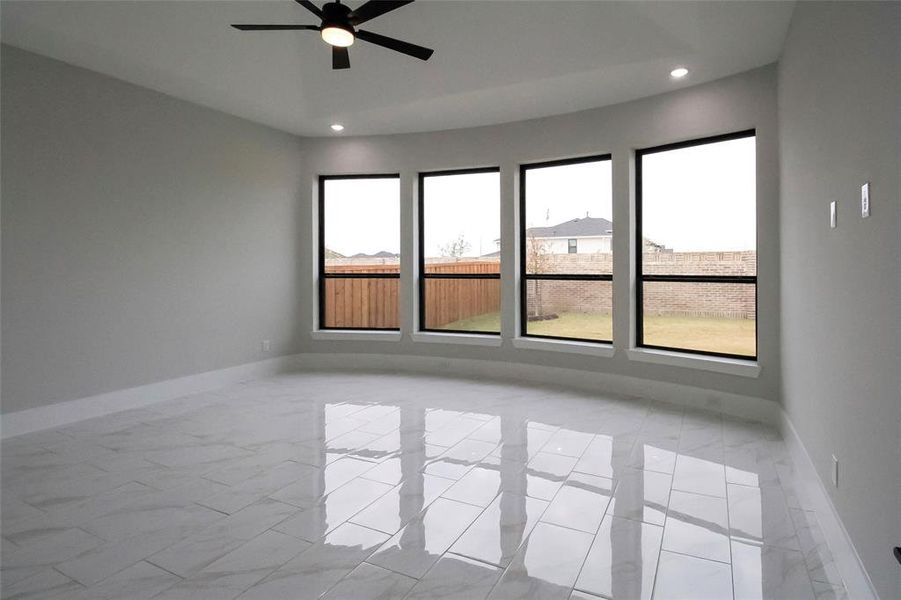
(494, 61)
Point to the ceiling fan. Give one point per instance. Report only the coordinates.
(338, 28)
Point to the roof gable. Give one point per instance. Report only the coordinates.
(584, 227)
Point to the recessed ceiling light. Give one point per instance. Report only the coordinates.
(337, 127)
(678, 73)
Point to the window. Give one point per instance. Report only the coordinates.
(697, 260)
(359, 251)
(459, 251)
(566, 288)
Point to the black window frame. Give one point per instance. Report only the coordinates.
(423, 275)
(525, 277)
(323, 275)
(641, 278)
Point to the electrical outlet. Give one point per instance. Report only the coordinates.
(832, 214)
(265, 346)
(834, 471)
(865, 200)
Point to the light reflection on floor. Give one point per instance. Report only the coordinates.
(390, 486)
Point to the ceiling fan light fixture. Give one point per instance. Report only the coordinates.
(336, 35)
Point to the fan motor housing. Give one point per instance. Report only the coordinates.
(335, 14)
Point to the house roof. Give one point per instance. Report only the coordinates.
(584, 227)
(380, 254)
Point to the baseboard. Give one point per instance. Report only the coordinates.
(810, 486)
(737, 405)
(812, 494)
(71, 411)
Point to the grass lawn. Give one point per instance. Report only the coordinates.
(713, 334)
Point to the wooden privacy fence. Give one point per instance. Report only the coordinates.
(361, 302)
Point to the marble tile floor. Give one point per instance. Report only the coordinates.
(376, 486)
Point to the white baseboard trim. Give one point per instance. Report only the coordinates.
(810, 486)
(737, 405)
(72, 411)
(813, 495)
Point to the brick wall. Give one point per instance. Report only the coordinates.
(660, 298)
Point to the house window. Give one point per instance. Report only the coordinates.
(566, 289)
(696, 206)
(459, 251)
(359, 251)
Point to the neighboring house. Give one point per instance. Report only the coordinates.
(381, 254)
(578, 236)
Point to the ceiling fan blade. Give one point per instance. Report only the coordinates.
(310, 7)
(396, 45)
(340, 58)
(250, 27)
(375, 8)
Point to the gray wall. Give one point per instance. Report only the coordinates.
(143, 237)
(731, 104)
(840, 126)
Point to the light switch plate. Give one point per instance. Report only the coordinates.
(865, 200)
(832, 215)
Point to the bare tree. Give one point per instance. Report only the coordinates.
(455, 248)
(537, 261)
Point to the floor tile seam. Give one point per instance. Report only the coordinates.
(729, 533)
(761, 544)
(690, 555)
(794, 527)
(592, 534)
(346, 520)
(150, 562)
(396, 572)
(22, 500)
(346, 575)
(269, 495)
(676, 489)
(588, 553)
(521, 543)
(55, 570)
(528, 537)
(473, 504)
(590, 593)
(222, 512)
(482, 511)
(420, 513)
(660, 547)
(247, 541)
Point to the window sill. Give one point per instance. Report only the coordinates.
(729, 366)
(573, 347)
(355, 335)
(472, 339)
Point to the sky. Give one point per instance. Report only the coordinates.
(566, 192)
(362, 215)
(701, 198)
(694, 199)
(467, 205)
